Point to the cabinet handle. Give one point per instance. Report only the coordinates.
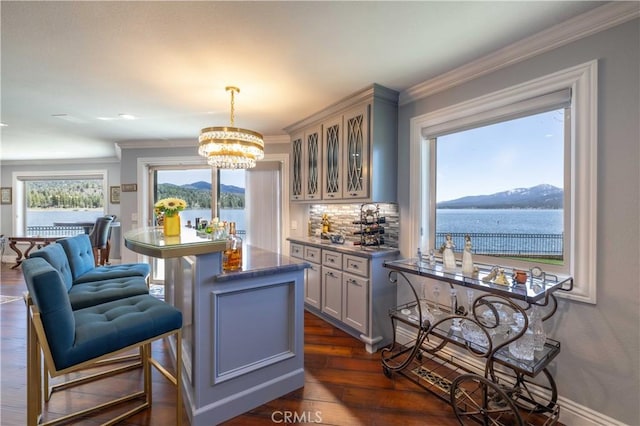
(354, 266)
(352, 281)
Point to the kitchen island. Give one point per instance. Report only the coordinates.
(243, 331)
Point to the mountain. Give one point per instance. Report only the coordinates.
(198, 194)
(206, 186)
(201, 185)
(542, 196)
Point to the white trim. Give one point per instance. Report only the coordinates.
(583, 81)
(586, 24)
(183, 143)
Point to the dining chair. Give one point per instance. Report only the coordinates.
(99, 237)
(107, 251)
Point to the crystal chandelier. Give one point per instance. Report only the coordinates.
(231, 147)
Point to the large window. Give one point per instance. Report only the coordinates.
(502, 185)
(516, 170)
(208, 193)
(45, 200)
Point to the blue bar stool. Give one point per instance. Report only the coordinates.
(75, 340)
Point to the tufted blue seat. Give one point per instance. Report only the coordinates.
(82, 262)
(73, 340)
(90, 293)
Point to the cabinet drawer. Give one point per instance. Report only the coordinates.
(312, 254)
(356, 265)
(332, 259)
(297, 250)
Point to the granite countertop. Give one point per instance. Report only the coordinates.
(257, 262)
(347, 247)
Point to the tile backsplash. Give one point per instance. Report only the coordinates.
(342, 216)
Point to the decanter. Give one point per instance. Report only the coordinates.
(232, 255)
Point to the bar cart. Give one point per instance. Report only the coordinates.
(492, 334)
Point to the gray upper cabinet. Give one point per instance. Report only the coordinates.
(306, 163)
(357, 162)
(356, 156)
(297, 176)
(313, 163)
(332, 156)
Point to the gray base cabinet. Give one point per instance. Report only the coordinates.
(350, 289)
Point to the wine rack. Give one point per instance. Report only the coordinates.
(371, 226)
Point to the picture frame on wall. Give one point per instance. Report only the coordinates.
(114, 195)
(5, 196)
(129, 187)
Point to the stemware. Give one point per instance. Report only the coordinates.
(455, 326)
(424, 306)
(436, 296)
(470, 299)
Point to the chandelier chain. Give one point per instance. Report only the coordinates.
(233, 91)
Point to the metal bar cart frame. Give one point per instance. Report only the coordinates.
(511, 391)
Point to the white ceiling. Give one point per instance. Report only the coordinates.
(168, 63)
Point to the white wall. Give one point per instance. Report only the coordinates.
(598, 367)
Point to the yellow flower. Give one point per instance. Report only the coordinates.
(169, 206)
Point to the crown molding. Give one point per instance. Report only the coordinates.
(584, 25)
(59, 162)
(182, 143)
(372, 91)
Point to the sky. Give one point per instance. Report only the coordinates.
(182, 177)
(519, 153)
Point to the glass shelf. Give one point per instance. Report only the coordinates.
(533, 290)
(407, 314)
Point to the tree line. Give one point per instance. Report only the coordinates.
(200, 198)
(89, 194)
(66, 194)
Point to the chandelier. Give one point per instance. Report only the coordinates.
(231, 147)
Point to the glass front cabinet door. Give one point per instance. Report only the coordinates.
(356, 153)
(313, 160)
(332, 159)
(297, 170)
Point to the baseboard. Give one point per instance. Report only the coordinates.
(571, 413)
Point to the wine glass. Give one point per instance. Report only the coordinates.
(470, 298)
(455, 326)
(436, 296)
(424, 306)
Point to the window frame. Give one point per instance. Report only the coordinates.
(580, 172)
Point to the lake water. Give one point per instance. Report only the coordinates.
(48, 217)
(517, 221)
(511, 221)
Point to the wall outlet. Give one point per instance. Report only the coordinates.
(294, 225)
(134, 217)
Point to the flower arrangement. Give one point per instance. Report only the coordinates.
(169, 206)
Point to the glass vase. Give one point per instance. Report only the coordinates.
(171, 225)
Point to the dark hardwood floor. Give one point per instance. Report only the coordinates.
(344, 385)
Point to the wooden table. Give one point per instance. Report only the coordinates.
(34, 241)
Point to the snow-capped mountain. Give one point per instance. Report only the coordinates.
(542, 196)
